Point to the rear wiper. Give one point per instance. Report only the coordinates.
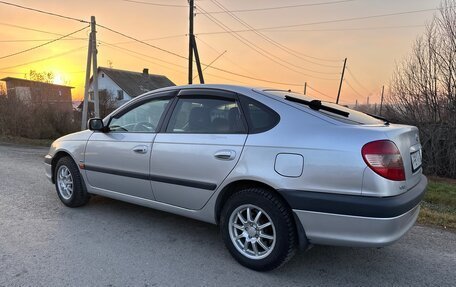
(386, 121)
(316, 105)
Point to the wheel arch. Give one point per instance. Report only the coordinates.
(234, 186)
(55, 159)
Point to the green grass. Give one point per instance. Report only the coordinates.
(439, 204)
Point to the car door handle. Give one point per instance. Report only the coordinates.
(225, 154)
(140, 149)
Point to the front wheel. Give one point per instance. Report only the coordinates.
(258, 229)
(69, 183)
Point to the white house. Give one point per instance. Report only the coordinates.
(123, 85)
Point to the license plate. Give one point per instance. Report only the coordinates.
(416, 160)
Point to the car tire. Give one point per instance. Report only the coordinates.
(69, 183)
(272, 232)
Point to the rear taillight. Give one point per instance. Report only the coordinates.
(384, 158)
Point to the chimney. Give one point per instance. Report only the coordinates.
(145, 71)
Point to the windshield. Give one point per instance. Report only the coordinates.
(354, 117)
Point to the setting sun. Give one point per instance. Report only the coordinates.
(58, 79)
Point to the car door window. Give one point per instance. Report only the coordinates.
(206, 115)
(143, 118)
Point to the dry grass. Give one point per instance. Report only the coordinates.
(25, 141)
(439, 204)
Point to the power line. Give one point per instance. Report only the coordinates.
(212, 62)
(143, 42)
(154, 39)
(156, 4)
(135, 54)
(353, 89)
(246, 41)
(29, 29)
(212, 67)
(277, 7)
(338, 29)
(142, 54)
(253, 78)
(356, 80)
(332, 21)
(46, 58)
(256, 48)
(277, 44)
(226, 57)
(131, 54)
(36, 40)
(44, 12)
(319, 92)
(44, 44)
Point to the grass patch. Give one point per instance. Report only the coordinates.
(26, 141)
(439, 204)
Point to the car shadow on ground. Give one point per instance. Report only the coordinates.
(199, 246)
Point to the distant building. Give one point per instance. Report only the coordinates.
(39, 93)
(123, 85)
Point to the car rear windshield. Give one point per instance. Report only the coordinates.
(354, 117)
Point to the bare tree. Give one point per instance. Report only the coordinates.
(44, 77)
(423, 91)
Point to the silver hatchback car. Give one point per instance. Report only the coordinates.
(274, 169)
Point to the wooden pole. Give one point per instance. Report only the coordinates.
(197, 59)
(87, 85)
(305, 88)
(341, 80)
(381, 101)
(190, 43)
(95, 67)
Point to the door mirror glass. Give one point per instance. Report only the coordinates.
(96, 124)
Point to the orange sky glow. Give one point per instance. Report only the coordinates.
(310, 52)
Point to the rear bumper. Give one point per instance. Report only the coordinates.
(348, 220)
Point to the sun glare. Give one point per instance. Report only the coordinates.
(58, 79)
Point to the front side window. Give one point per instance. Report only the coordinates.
(206, 115)
(143, 118)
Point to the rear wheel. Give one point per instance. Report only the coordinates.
(69, 183)
(258, 229)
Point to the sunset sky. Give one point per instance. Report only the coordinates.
(372, 45)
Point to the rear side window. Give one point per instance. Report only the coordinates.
(260, 117)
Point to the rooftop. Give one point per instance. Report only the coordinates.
(7, 79)
(136, 83)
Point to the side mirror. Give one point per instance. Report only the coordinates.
(96, 124)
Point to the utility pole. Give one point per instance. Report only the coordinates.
(190, 43)
(305, 88)
(91, 61)
(356, 104)
(381, 101)
(93, 25)
(192, 48)
(87, 84)
(341, 80)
